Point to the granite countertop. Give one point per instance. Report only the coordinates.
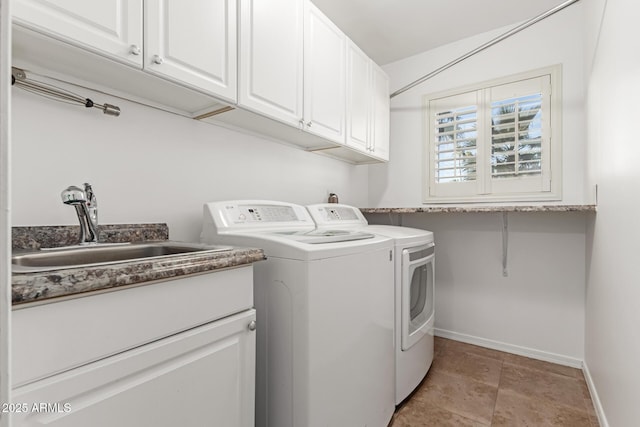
(482, 209)
(37, 286)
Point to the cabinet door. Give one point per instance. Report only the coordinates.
(201, 377)
(194, 43)
(324, 76)
(112, 28)
(359, 98)
(271, 58)
(380, 116)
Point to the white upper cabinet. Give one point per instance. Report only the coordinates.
(381, 113)
(271, 58)
(194, 43)
(367, 105)
(191, 43)
(358, 98)
(287, 70)
(112, 28)
(324, 76)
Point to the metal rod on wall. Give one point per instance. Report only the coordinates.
(19, 78)
(488, 44)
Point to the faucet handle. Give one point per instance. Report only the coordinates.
(92, 203)
(90, 195)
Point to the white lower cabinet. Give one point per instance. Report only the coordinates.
(201, 377)
(179, 352)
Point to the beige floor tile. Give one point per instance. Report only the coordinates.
(417, 413)
(460, 395)
(438, 345)
(513, 409)
(469, 385)
(469, 365)
(542, 365)
(544, 386)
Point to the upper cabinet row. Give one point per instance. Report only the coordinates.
(287, 70)
(193, 43)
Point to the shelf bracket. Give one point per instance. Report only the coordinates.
(505, 243)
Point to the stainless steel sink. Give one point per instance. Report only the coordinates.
(103, 254)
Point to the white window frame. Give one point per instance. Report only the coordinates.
(544, 187)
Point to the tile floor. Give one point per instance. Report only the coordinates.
(475, 386)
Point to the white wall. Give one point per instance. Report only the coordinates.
(5, 210)
(556, 40)
(152, 166)
(538, 309)
(613, 289)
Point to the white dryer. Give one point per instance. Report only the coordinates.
(413, 290)
(325, 315)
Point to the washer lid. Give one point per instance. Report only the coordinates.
(402, 235)
(326, 236)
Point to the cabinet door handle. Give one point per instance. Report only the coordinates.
(252, 325)
(309, 123)
(158, 59)
(134, 50)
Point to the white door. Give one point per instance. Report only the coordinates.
(359, 98)
(201, 377)
(271, 58)
(112, 28)
(380, 116)
(324, 76)
(417, 293)
(194, 43)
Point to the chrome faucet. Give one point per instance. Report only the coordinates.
(86, 206)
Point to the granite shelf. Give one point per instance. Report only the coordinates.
(481, 209)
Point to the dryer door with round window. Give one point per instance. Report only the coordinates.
(417, 293)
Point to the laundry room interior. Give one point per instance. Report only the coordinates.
(525, 284)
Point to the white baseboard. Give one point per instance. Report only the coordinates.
(510, 348)
(602, 419)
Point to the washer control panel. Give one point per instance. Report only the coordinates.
(256, 215)
(333, 215)
(262, 213)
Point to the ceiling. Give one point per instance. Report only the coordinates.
(389, 30)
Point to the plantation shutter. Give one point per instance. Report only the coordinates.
(455, 162)
(519, 136)
(494, 141)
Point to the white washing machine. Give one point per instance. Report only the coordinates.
(414, 290)
(325, 315)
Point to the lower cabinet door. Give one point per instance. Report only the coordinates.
(201, 377)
